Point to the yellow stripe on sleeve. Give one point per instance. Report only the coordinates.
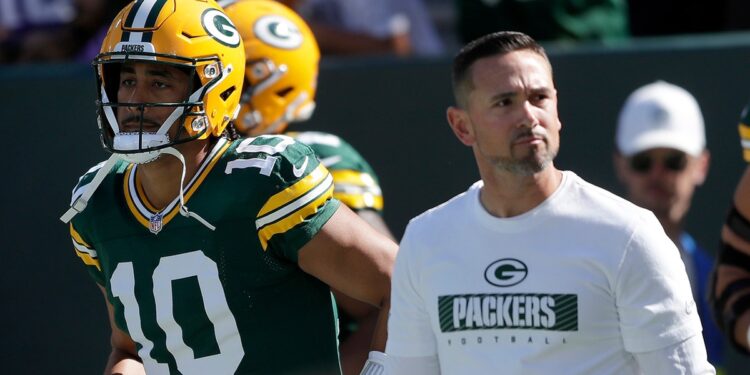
(358, 190)
(295, 212)
(360, 201)
(745, 140)
(295, 191)
(83, 250)
(351, 177)
(744, 131)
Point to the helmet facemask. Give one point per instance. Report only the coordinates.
(185, 123)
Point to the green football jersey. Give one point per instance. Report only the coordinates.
(355, 182)
(229, 301)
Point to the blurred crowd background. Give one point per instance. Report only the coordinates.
(71, 30)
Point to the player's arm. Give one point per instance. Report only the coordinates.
(352, 257)
(123, 360)
(731, 298)
(354, 349)
(376, 221)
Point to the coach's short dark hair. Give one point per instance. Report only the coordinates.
(501, 42)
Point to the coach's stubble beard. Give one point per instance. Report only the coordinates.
(526, 161)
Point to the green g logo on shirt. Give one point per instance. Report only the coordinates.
(220, 27)
(506, 272)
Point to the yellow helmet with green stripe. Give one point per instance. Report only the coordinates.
(193, 35)
(282, 66)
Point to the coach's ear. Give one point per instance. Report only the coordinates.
(460, 123)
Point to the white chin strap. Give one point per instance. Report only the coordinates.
(81, 202)
(183, 209)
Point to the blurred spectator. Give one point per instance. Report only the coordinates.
(545, 20)
(50, 30)
(366, 27)
(24, 23)
(661, 159)
(34, 30)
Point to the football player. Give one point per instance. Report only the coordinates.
(239, 283)
(280, 83)
(731, 293)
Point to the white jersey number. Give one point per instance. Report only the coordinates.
(176, 267)
(264, 164)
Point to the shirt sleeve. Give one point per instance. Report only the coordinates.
(653, 294)
(686, 357)
(301, 201)
(409, 330)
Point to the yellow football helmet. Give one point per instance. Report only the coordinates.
(193, 35)
(282, 65)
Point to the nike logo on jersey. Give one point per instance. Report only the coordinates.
(299, 171)
(331, 160)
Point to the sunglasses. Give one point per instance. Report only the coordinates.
(643, 162)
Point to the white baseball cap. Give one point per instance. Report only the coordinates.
(660, 114)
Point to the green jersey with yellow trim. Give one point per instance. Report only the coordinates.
(229, 301)
(356, 184)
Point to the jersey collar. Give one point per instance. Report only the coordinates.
(143, 211)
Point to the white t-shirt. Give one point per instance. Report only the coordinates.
(573, 286)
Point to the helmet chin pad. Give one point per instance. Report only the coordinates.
(124, 142)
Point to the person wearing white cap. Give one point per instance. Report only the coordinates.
(661, 158)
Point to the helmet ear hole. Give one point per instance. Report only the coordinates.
(284, 92)
(226, 93)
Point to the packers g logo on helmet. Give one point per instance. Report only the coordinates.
(220, 27)
(278, 32)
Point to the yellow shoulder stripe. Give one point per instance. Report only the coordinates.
(744, 131)
(295, 212)
(295, 191)
(77, 236)
(348, 176)
(83, 250)
(356, 189)
(360, 201)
